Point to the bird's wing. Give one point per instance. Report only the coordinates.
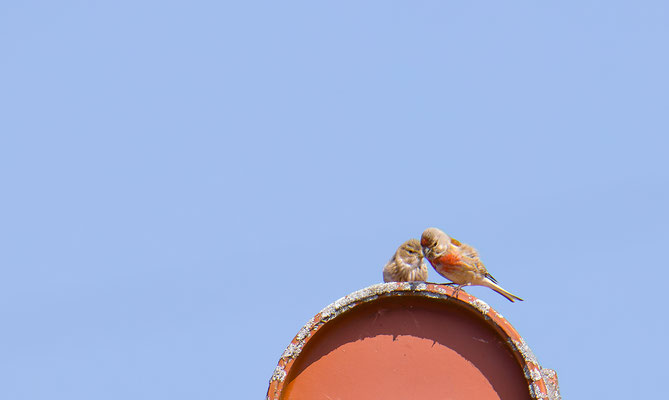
(470, 260)
(477, 266)
(469, 251)
(467, 263)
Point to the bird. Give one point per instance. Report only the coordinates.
(458, 262)
(407, 264)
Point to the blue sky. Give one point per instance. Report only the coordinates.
(185, 184)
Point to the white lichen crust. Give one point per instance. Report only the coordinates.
(525, 351)
(550, 377)
(279, 374)
(480, 305)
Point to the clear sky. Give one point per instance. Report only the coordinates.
(185, 184)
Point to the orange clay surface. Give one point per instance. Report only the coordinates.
(406, 347)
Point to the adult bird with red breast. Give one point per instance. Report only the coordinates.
(458, 262)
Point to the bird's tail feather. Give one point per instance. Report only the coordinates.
(492, 285)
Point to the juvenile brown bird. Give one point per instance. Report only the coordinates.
(406, 264)
(458, 262)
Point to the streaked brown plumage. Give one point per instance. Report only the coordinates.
(406, 264)
(458, 262)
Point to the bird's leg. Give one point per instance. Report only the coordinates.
(457, 291)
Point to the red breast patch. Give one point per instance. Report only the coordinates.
(449, 259)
